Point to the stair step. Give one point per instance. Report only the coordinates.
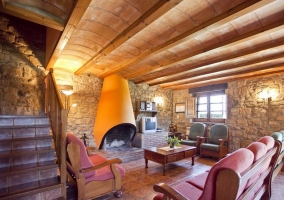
(6, 120)
(48, 187)
(13, 153)
(20, 169)
(26, 138)
(24, 132)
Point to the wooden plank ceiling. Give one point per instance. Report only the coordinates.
(176, 44)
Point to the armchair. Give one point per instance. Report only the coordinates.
(93, 175)
(217, 143)
(196, 131)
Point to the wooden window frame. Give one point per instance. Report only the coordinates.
(208, 118)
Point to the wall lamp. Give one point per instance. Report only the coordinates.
(67, 93)
(159, 101)
(268, 94)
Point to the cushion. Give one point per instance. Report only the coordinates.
(258, 149)
(188, 142)
(218, 131)
(85, 162)
(196, 129)
(210, 147)
(268, 141)
(238, 161)
(199, 180)
(277, 136)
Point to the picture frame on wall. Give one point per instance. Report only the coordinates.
(180, 107)
(190, 111)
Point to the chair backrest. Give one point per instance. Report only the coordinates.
(238, 161)
(84, 158)
(268, 141)
(218, 131)
(196, 129)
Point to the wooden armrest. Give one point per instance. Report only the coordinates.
(102, 164)
(222, 141)
(90, 149)
(168, 191)
(202, 139)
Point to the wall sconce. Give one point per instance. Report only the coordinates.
(67, 93)
(268, 94)
(159, 101)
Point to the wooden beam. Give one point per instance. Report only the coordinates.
(238, 11)
(39, 17)
(202, 70)
(147, 18)
(77, 13)
(224, 73)
(243, 38)
(276, 70)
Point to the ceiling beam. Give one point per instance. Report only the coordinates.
(256, 74)
(29, 14)
(234, 41)
(77, 13)
(228, 72)
(159, 9)
(201, 70)
(235, 12)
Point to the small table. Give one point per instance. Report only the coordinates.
(164, 156)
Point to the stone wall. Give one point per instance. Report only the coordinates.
(179, 119)
(251, 117)
(144, 92)
(22, 60)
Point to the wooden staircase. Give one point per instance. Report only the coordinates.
(27, 165)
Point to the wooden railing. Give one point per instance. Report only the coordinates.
(58, 122)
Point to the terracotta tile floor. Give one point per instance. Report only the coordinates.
(138, 181)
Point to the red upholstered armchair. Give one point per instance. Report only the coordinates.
(94, 175)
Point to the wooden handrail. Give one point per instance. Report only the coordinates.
(58, 122)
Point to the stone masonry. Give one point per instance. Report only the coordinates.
(22, 60)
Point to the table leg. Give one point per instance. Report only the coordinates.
(164, 170)
(192, 160)
(146, 163)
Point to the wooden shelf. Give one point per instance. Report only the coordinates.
(153, 112)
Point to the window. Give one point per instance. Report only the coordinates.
(211, 107)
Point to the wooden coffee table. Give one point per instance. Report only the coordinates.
(158, 155)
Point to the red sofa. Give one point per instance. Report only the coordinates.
(244, 174)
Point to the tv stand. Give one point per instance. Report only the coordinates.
(153, 112)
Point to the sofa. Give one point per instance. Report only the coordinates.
(243, 174)
(280, 162)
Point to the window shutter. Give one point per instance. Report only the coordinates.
(190, 110)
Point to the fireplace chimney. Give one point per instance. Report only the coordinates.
(114, 108)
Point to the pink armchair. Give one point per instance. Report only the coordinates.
(94, 175)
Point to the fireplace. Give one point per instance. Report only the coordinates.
(115, 122)
(119, 137)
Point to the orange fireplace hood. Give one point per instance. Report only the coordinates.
(114, 107)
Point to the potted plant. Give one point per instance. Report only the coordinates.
(173, 141)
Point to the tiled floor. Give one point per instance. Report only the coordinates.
(138, 181)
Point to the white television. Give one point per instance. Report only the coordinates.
(148, 124)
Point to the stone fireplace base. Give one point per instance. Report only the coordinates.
(155, 139)
(139, 142)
